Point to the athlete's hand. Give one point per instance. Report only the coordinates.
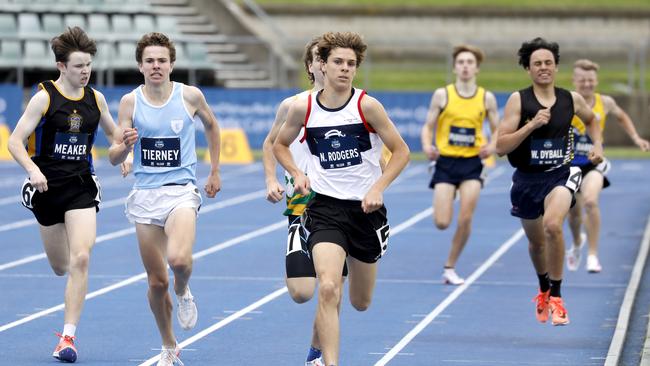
(372, 201)
(541, 118)
(274, 191)
(130, 136)
(127, 165)
(432, 152)
(301, 184)
(213, 185)
(596, 154)
(38, 180)
(643, 144)
(486, 151)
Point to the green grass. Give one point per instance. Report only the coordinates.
(567, 4)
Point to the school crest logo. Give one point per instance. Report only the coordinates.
(332, 135)
(75, 121)
(177, 125)
(159, 144)
(548, 144)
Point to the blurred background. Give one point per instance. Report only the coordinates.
(246, 55)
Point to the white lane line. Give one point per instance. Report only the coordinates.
(143, 275)
(616, 346)
(275, 294)
(450, 299)
(124, 232)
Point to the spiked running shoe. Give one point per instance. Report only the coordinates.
(316, 362)
(450, 277)
(541, 305)
(65, 351)
(187, 313)
(573, 256)
(169, 357)
(559, 315)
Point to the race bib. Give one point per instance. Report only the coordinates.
(382, 235)
(160, 152)
(70, 146)
(27, 192)
(583, 145)
(546, 152)
(338, 152)
(461, 136)
(575, 179)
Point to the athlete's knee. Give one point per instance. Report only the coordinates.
(59, 269)
(465, 221)
(590, 203)
(79, 261)
(300, 294)
(329, 291)
(553, 229)
(441, 222)
(360, 302)
(158, 284)
(180, 263)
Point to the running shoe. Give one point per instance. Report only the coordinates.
(316, 362)
(559, 315)
(65, 351)
(450, 277)
(541, 305)
(187, 313)
(593, 264)
(169, 357)
(573, 256)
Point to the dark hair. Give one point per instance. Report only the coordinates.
(478, 54)
(332, 40)
(155, 39)
(527, 49)
(308, 57)
(72, 40)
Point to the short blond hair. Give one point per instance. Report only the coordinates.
(586, 65)
(478, 54)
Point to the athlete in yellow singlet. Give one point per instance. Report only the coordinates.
(456, 117)
(585, 80)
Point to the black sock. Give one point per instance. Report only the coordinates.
(544, 283)
(555, 288)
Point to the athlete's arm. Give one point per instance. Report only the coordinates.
(109, 128)
(197, 101)
(377, 118)
(438, 100)
(584, 112)
(274, 190)
(287, 134)
(509, 136)
(26, 125)
(625, 122)
(493, 119)
(124, 135)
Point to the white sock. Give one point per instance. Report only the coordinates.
(69, 330)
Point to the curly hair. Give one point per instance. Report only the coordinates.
(332, 40)
(155, 39)
(527, 49)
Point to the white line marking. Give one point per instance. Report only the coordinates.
(616, 346)
(450, 299)
(143, 275)
(399, 228)
(124, 232)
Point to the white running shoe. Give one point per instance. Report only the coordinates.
(573, 256)
(316, 362)
(187, 313)
(169, 357)
(450, 277)
(593, 265)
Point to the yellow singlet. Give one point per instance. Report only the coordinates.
(459, 131)
(599, 111)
